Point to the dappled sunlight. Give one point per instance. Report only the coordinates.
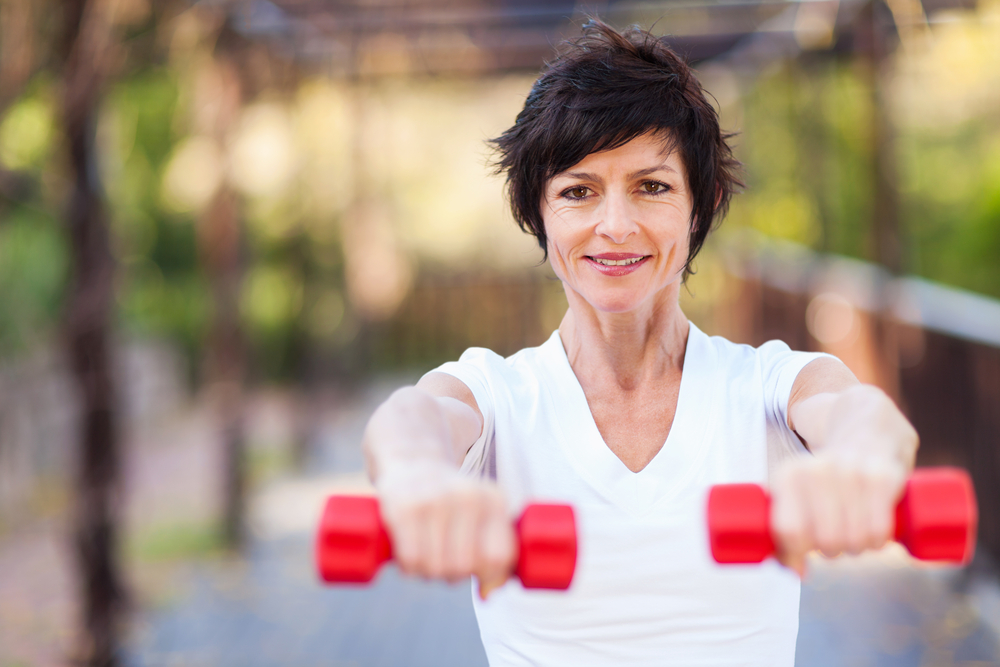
(262, 157)
(377, 273)
(831, 319)
(953, 75)
(26, 134)
(193, 175)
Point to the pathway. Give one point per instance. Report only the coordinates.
(879, 610)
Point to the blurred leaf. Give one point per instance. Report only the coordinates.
(272, 297)
(33, 267)
(26, 133)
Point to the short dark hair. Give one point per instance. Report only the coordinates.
(601, 91)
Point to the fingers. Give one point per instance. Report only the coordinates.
(461, 548)
(830, 506)
(462, 530)
(497, 555)
(824, 498)
(436, 524)
(885, 494)
(789, 524)
(856, 516)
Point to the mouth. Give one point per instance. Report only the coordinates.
(604, 261)
(616, 263)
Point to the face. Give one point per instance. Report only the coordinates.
(618, 224)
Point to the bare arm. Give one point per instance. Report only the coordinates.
(841, 499)
(442, 523)
(437, 420)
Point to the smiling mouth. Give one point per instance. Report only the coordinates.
(616, 262)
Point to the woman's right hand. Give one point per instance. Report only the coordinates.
(444, 525)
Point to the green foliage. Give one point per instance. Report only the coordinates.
(806, 150)
(951, 187)
(33, 269)
(147, 104)
(27, 132)
(805, 137)
(151, 305)
(162, 290)
(807, 146)
(175, 542)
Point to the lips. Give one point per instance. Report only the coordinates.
(617, 256)
(616, 263)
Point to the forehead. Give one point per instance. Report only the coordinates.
(645, 153)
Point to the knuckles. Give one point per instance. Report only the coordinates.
(836, 506)
(441, 536)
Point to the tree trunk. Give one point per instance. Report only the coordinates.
(220, 253)
(88, 324)
(885, 236)
(219, 241)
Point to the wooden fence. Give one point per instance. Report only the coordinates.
(936, 350)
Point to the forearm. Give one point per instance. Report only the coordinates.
(858, 424)
(413, 429)
(442, 523)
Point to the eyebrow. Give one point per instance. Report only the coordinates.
(586, 176)
(653, 170)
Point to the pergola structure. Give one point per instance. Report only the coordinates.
(363, 38)
(367, 39)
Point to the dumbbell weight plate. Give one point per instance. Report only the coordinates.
(351, 542)
(937, 516)
(547, 546)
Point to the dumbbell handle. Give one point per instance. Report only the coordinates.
(352, 543)
(935, 519)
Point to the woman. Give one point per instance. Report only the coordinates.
(629, 412)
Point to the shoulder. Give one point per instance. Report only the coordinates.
(491, 368)
(723, 351)
(729, 349)
(524, 358)
(770, 357)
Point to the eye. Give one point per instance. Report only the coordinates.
(654, 188)
(578, 192)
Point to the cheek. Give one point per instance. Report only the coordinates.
(562, 241)
(559, 248)
(670, 230)
(561, 235)
(555, 257)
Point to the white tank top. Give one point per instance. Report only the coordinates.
(646, 590)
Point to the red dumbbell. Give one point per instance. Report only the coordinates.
(352, 543)
(935, 519)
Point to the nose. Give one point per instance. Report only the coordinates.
(617, 218)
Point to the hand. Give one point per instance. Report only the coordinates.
(831, 505)
(842, 500)
(445, 525)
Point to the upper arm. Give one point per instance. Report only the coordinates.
(465, 419)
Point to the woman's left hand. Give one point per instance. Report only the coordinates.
(842, 499)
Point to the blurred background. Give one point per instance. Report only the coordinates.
(228, 228)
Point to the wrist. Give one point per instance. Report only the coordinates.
(416, 475)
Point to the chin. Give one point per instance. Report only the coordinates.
(615, 303)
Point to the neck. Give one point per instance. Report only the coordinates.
(632, 347)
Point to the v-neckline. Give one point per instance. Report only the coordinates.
(679, 454)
